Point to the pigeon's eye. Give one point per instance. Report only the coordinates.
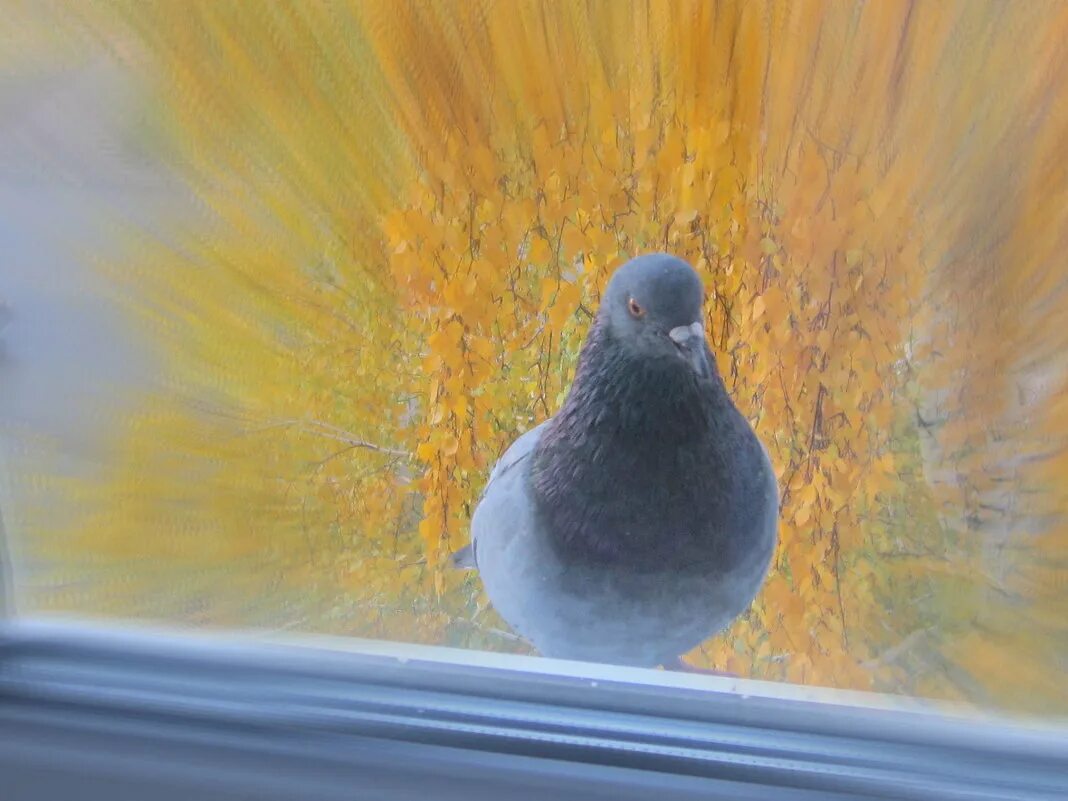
(635, 308)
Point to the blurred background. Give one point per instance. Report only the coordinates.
(279, 281)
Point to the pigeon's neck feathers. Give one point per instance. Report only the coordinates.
(639, 397)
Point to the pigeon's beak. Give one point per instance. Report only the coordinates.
(690, 340)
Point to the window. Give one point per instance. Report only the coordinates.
(280, 286)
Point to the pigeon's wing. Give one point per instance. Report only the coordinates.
(467, 557)
(513, 559)
(519, 450)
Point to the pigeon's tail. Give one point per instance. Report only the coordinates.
(464, 559)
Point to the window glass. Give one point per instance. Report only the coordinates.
(280, 284)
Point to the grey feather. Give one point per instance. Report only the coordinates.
(465, 558)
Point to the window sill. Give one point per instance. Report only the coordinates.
(95, 711)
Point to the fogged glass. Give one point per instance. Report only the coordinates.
(279, 284)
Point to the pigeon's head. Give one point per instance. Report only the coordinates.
(652, 307)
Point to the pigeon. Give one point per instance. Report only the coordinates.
(640, 520)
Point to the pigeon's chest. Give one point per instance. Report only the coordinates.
(667, 508)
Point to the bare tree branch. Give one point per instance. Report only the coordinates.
(321, 429)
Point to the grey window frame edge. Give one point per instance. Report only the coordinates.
(113, 712)
(7, 580)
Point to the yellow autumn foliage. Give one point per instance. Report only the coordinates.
(410, 211)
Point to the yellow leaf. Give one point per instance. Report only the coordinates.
(427, 529)
(574, 241)
(548, 292)
(438, 342)
(567, 300)
(758, 308)
(454, 332)
(539, 249)
(483, 348)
